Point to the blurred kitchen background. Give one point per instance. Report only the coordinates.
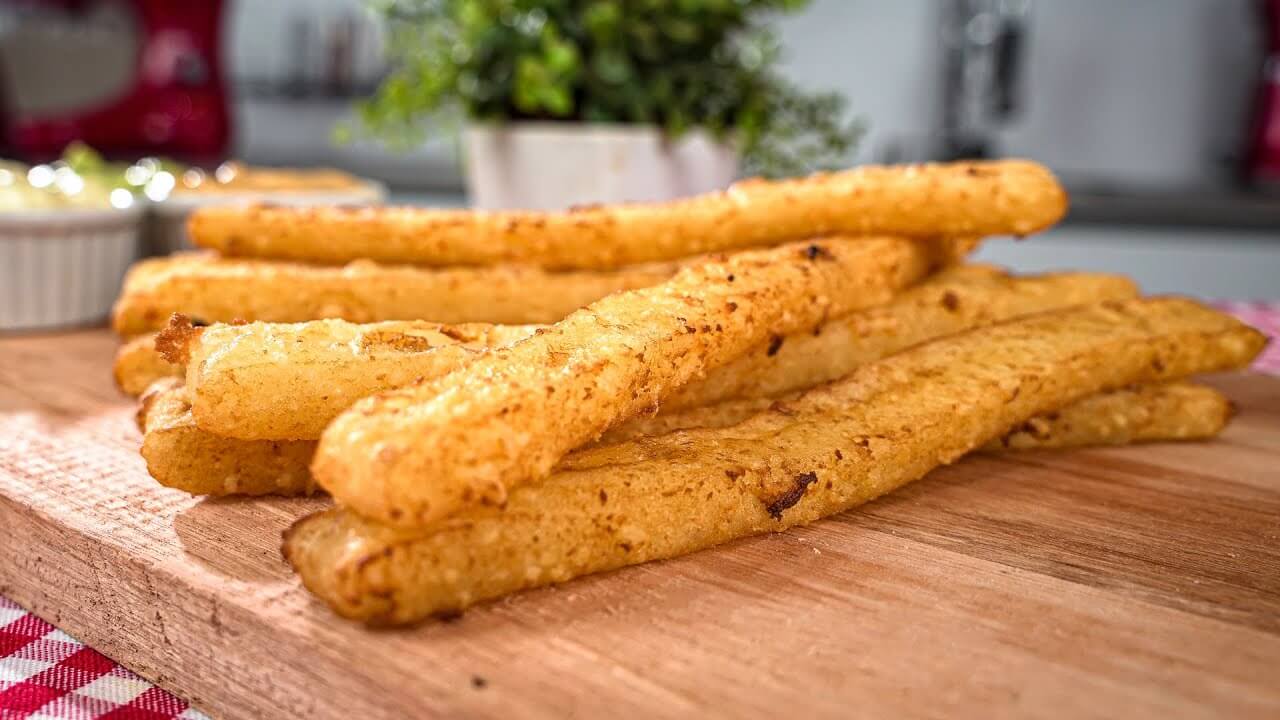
(1162, 116)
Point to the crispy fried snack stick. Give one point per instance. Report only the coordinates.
(138, 365)
(416, 454)
(839, 446)
(1175, 411)
(220, 290)
(1147, 413)
(1007, 197)
(287, 381)
(955, 299)
(276, 381)
(181, 455)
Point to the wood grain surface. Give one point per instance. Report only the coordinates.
(1134, 582)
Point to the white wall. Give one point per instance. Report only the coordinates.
(1146, 92)
(1149, 92)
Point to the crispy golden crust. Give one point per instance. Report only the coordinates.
(416, 454)
(836, 447)
(219, 290)
(1149, 413)
(287, 381)
(137, 365)
(267, 381)
(1007, 197)
(182, 456)
(173, 343)
(955, 299)
(719, 415)
(1175, 411)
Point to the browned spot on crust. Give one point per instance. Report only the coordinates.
(782, 408)
(604, 496)
(1157, 364)
(818, 252)
(839, 455)
(458, 334)
(775, 344)
(734, 473)
(950, 301)
(174, 342)
(394, 341)
(1035, 427)
(731, 305)
(792, 496)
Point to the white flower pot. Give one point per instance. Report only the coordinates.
(552, 166)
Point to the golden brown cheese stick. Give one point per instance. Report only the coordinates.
(1147, 413)
(1006, 197)
(181, 455)
(1176, 411)
(841, 445)
(287, 381)
(138, 365)
(954, 299)
(221, 290)
(413, 455)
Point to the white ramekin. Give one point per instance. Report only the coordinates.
(167, 226)
(63, 268)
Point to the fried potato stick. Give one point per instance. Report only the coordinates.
(413, 455)
(839, 446)
(276, 381)
(222, 290)
(138, 365)
(1006, 197)
(182, 455)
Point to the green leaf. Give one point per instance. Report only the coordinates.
(681, 64)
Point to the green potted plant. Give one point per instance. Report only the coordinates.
(583, 101)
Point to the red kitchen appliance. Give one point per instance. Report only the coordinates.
(1264, 152)
(129, 77)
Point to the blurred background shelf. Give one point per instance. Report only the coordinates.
(1161, 116)
(1208, 208)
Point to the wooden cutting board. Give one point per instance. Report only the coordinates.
(1133, 582)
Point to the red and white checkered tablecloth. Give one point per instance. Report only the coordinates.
(48, 675)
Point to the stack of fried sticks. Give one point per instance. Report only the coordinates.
(745, 361)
